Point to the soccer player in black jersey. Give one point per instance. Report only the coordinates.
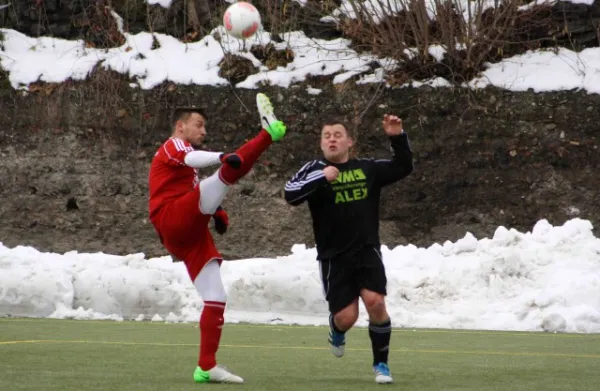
(343, 197)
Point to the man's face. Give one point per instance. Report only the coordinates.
(335, 143)
(193, 130)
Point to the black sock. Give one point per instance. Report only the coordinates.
(333, 326)
(380, 334)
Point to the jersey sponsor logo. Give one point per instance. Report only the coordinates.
(350, 176)
(350, 185)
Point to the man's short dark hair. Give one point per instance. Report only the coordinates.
(183, 113)
(334, 121)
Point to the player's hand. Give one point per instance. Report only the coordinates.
(392, 125)
(221, 220)
(331, 173)
(231, 159)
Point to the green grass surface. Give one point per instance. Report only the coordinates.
(41, 354)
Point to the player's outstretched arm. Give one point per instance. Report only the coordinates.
(401, 164)
(202, 159)
(177, 152)
(308, 179)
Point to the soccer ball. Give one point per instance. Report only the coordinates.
(241, 20)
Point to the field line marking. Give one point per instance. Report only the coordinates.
(425, 351)
(292, 326)
(19, 342)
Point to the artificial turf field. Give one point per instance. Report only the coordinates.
(42, 354)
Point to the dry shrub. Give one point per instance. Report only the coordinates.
(279, 16)
(104, 95)
(236, 68)
(468, 38)
(318, 81)
(98, 26)
(271, 57)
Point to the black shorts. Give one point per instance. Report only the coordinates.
(345, 276)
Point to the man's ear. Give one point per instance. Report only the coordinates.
(179, 125)
(352, 148)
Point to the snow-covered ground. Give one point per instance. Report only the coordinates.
(547, 279)
(27, 60)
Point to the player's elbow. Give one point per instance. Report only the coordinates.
(292, 198)
(403, 169)
(406, 170)
(405, 161)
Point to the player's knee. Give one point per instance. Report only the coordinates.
(374, 302)
(212, 292)
(209, 284)
(347, 317)
(216, 294)
(345, 321)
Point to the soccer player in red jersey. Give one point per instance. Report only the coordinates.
(181, 207)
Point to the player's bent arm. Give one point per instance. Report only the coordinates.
(202, 159)
(304, 183)
(401, 163)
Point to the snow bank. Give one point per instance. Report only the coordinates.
(547, 279)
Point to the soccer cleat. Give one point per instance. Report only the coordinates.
(268, 121)
(337, 341)
(382, 373)
(215, 375)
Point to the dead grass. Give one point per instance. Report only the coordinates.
(236, 68)
(468, 39)
(271, 57)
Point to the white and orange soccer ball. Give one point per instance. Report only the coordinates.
(241, 20)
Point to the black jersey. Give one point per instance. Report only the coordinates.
(345, 212)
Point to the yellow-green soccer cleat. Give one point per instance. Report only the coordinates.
(215, 375)
(269, 122)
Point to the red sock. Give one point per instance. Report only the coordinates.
(249, 152)
(211, 322)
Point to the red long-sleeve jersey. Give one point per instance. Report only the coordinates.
(169, 176)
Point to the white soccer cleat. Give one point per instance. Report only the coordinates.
(382, 374)
(337, 342)
(221, 375)
(337, 351)
(265, 110)
(216, 375)
(268, 121)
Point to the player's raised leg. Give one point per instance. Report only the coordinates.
(272, 130)
(209, 285)
(214, 188)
